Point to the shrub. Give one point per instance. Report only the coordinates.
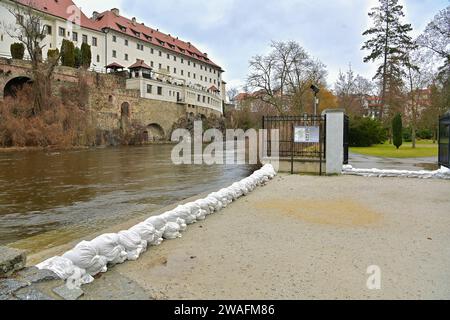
(78, 57)
(425, 134)
(68, 53)
(17, 50)
(397, 131)
(364, 132)
(52, 54)
(86, 55)
(407, 134)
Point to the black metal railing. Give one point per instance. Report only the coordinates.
(346, 138)
(444, 141)
(286, 125)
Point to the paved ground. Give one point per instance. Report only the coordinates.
(303, 237)
(368, 162)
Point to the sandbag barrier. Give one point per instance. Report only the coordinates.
(442, 173)
(89, 258)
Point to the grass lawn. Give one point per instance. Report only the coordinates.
(424, 148)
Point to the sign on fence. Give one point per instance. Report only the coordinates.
(306, 134)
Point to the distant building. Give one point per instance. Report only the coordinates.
(161, 66)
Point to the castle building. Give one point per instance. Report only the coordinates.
(161, 66)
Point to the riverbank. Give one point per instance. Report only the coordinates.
(300, 237)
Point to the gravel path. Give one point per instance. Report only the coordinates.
(303, 237)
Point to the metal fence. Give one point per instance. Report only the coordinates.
(444, 143)
(346, 138)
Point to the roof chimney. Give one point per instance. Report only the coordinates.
(205, 54)
(95, 15)
(115, 11)
(133, 20)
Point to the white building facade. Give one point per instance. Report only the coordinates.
(181, 72)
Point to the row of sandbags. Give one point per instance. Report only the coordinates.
(89, 258)
(442, 173)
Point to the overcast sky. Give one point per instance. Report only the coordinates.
(232, 31)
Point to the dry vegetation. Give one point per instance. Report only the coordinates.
(63, 123)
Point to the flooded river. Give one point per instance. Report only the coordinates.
(47, 199)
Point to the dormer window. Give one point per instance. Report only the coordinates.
(121, 27)
(136, 34)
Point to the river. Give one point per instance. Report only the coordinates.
(48, 199)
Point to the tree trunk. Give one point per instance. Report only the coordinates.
(413, 136)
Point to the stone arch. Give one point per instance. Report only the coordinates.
(14, 85)
(155, 132)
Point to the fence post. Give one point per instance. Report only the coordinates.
(334, 140)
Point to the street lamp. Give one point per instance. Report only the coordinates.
(316, 90)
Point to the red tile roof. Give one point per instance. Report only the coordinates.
(114, 65)
(139, 64)
(61, 9)
(214, 89)
(110, 20)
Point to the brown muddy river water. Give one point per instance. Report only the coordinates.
(47, 199)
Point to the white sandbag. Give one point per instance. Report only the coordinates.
(85, 256)
(158, 222)
(194, 209)
(172, 231)
(184, 212)
(107, 245)
(204, 205)
(133, 244)
(182, 224)
(146, 231)
(78, 278)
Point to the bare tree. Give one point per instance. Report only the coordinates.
(283, 76)
(30, 30)
(231, 94)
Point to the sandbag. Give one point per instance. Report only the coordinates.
(158, 222)
(107, 245)
(133, 244)
(146, 231)
(172, 231)
(85, 256)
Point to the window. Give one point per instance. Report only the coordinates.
(182, 60)
(114, 39)
(168, 68)
(160, 66)
(182, 72)
(189, 74)
(140, 46)
(160, 91)
(201, 67)
(114, 54)
(75, 36)
(48, 29)
(195, 76)
(152, 51)
(201, 78)
(98, 58)
(152, 64)
(126, 42)
(198, 98)
(84, 38)
(94, 41)
(168, 56)
(174, 58)
(126, 56)
(62, 32)
(160, 53)
(189, 63)
(149, 88)
(195, 65)
(175, 70)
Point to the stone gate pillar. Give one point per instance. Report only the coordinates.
(334, 140)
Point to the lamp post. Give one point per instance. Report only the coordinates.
(316, 90)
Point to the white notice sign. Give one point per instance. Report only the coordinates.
(306, 134)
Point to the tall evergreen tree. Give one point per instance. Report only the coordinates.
(389, 43)
(397, 130)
